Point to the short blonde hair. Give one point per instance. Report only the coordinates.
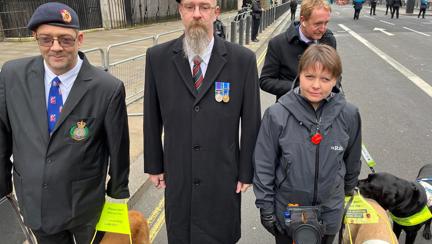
(307, 7)
(323, 54)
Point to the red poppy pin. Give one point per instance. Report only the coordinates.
(316, 139)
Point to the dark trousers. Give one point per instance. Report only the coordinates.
(284, 239)
(82, 234)
(388, 6)
(422, 10)
(372, 9)
(357, 13)
(255, 26)
(293, 12)
(395, 9)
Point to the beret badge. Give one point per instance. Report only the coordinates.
(67, 17)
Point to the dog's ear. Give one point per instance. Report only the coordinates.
(388, 198)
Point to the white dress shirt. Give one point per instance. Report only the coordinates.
(205, 58)
(67, 80)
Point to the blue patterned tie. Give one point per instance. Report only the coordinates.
(55, 104)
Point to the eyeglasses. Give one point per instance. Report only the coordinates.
(203, 8)
(48, 41)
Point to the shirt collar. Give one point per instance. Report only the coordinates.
(303, 37)
(207, 53)
(66, 78)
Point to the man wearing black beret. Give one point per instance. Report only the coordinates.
(63, 121)
(202, 91)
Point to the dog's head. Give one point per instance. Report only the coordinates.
(387, 189)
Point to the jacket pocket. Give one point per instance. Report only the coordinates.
(79, 130)
(87, 195)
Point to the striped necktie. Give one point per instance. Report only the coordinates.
(55, 104)
(197, 73)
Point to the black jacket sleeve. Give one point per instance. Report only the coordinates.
(266, 160)
(5, 142)
(352, 156)
(270, 80)
(117, 131)
(328, 39)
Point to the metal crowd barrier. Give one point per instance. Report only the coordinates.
(131, 70)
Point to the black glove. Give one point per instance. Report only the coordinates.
(349, 192)
(269, 221)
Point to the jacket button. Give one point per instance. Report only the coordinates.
(196, 147)
(49, 161)
(196, 182)
(196, 108)
(45, 186)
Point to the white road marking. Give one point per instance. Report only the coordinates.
(419, 82)
(418, 32)
(383, 31)
(389, 23)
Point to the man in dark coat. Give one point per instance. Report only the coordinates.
(284, 50)
(293, 7)
(389, 5)
(61, 155)
(256, 19)
(202, 91)
(373, 4)
(396, 5)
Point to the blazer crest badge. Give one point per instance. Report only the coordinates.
(79, 131)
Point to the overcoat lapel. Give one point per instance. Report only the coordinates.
(37, 93)
(79, 89)
(182, 66)
(216, 63)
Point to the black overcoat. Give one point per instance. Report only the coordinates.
(202, 153)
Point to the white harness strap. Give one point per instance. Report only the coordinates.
(428, 188)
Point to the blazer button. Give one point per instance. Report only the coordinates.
(49, 161)
(45, 186)
(196, 147)
(196, 108)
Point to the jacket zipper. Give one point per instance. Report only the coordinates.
(316, 175)
(315, 195)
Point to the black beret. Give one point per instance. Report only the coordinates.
(54, 13)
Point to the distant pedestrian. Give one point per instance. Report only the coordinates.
(389, 5)
(358, 5)
(396, 6)
(256, 18)
(219, 28)
(293, 6)
(423, 7)
(373, 4)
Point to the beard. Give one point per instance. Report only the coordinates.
(196, 39)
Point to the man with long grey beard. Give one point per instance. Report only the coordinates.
(201, 91)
